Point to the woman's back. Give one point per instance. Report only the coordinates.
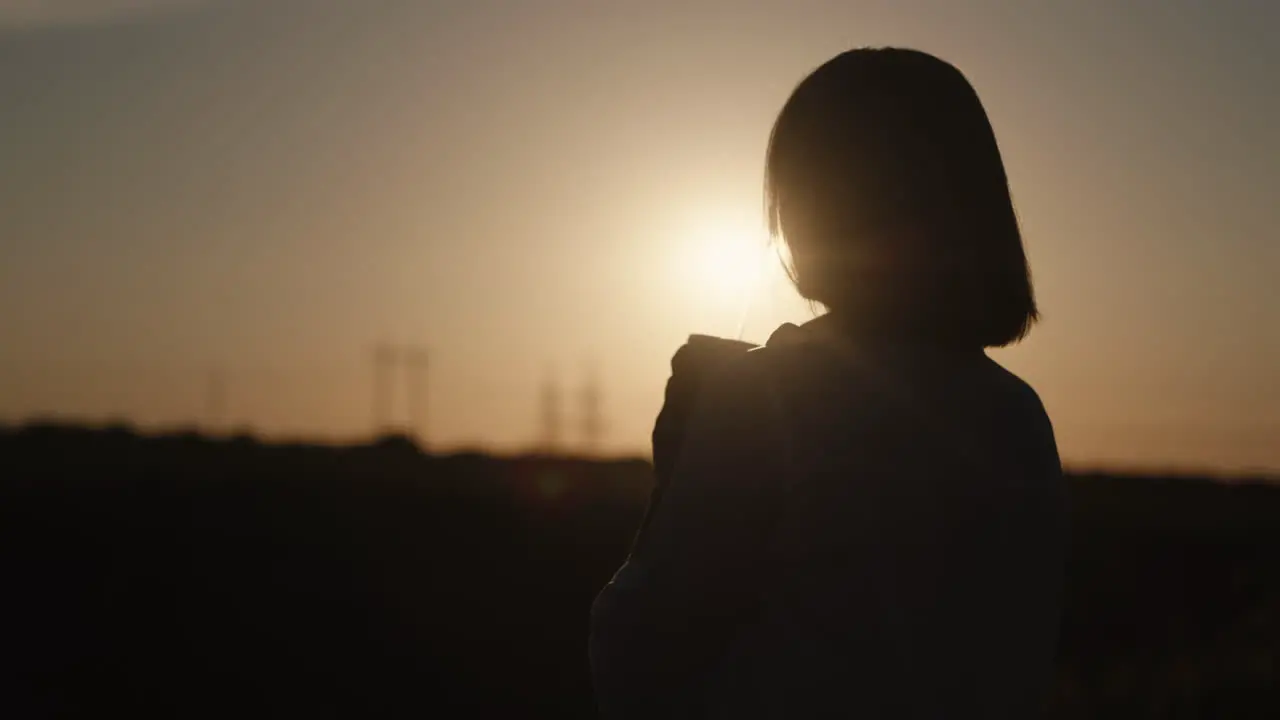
(915, 564)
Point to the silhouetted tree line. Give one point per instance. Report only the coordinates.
(186, 576)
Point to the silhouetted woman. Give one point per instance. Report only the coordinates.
(866, 517)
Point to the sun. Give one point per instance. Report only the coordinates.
(728, 257)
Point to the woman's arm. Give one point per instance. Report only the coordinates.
(659, 626)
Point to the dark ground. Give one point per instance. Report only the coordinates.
(181, 576)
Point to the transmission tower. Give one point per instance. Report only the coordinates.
(385, 358)
(215, 401)
(551, 415)
(592, 418)
(414, 360)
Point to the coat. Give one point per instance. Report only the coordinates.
(850, 529)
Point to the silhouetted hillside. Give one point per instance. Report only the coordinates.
(182, 575)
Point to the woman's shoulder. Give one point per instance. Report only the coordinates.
(751, 374)
(741, 394)
(1021, 394)
(1023, 409)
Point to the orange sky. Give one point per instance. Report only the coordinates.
(528, 189)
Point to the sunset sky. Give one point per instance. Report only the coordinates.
(534, 189)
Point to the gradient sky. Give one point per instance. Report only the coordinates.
(267, 188)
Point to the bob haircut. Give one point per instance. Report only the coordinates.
(884, 181)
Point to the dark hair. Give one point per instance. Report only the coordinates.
(884, 180)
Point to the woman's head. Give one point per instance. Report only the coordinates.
(884, 180)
